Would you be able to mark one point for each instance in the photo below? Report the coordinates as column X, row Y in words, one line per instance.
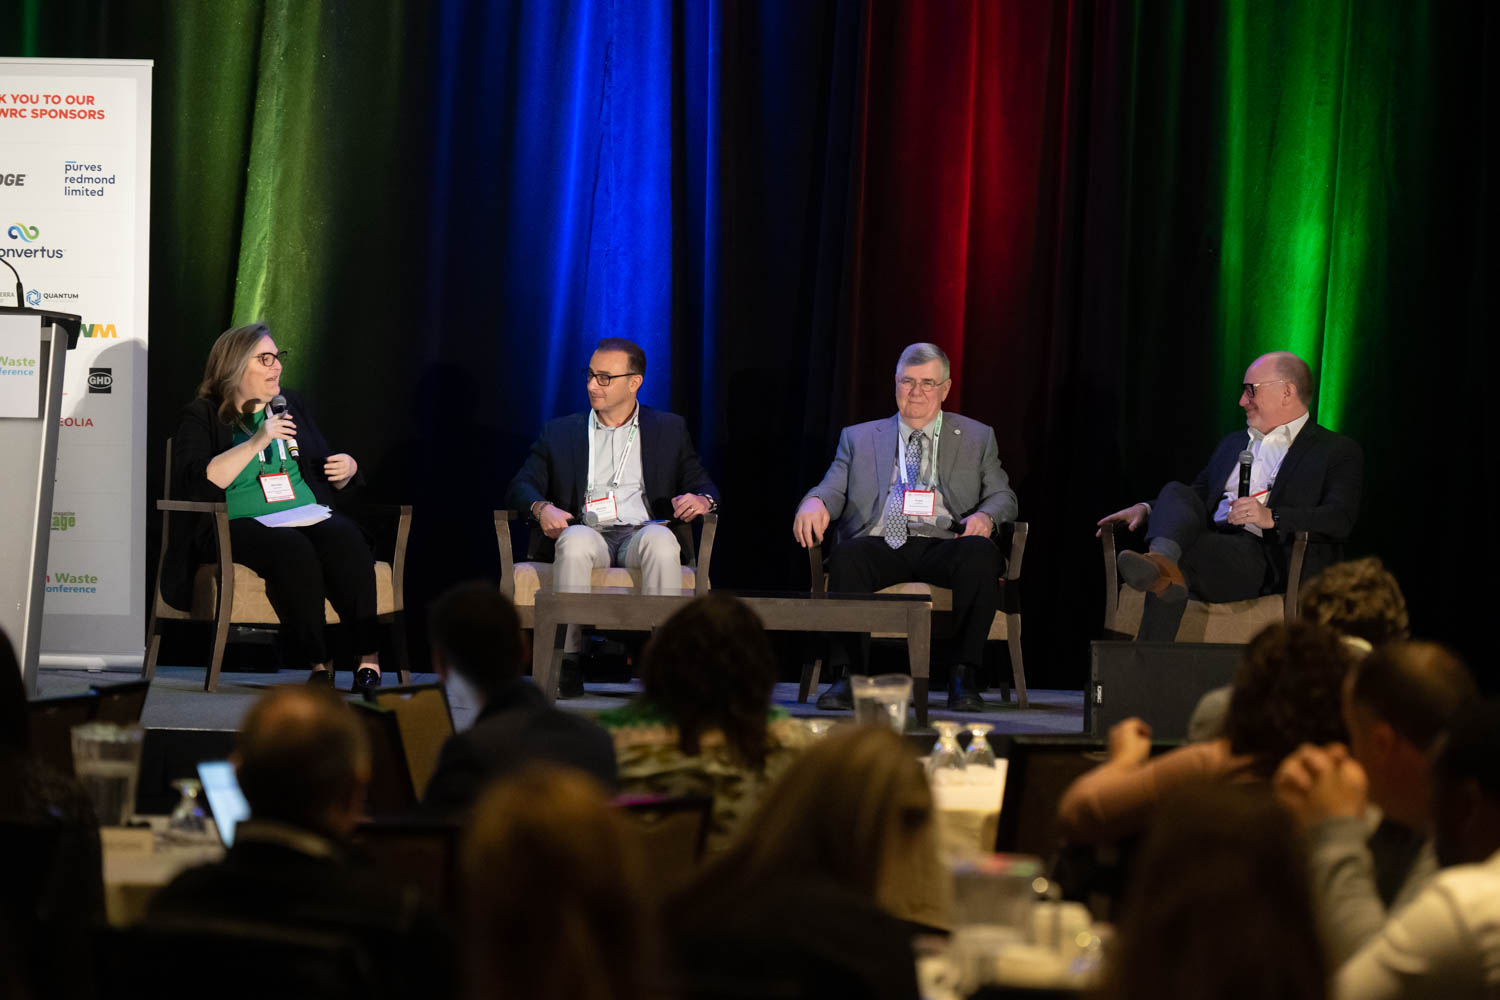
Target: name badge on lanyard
column 277, row 486
column 919, row 503
column 603, row 507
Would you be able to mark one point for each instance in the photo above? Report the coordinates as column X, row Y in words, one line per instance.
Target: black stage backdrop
column 1101, row 210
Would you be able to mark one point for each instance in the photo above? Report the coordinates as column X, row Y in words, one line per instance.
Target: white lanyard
column 635, row 423
column 937, row 435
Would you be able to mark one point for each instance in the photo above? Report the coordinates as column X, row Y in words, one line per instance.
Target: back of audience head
column 1220, row 905
column 1397, row 702
column 475, row 632
column 1287, row 691
column 15, row 714
column 845, row 809
column 1358, row 598
column 303, row 759
column 710, row 666
column 1466, row 792
column 554, row 885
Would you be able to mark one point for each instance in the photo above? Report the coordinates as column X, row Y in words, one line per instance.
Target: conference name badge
column 277, row 487
column 602, row 508
column 919, row 503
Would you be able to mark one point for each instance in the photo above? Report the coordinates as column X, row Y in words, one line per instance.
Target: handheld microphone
column 278, row 407
column 20, row 292
column 1247, row 458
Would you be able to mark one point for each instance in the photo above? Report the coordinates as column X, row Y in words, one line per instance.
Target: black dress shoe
column 839, row 697
column 320, row 678
column 366, row 680
column 570, row 678
column 963, row 694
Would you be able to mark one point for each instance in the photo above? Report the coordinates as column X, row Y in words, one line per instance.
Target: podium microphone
column 278, row 407
column 1247, row 458
column 20, row 292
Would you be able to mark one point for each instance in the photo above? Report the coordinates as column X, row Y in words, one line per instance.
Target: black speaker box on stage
column 1160, row 682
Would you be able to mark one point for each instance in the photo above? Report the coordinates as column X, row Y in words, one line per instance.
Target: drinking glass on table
column 946, row 762
column 188, row 822
column 980, row 753
column 107, row 760
column 881, row 700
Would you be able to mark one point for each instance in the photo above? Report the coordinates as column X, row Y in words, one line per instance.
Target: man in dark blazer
column 1206, row 541
column 303, row 762
column 900, row 518
column 476, row 644
column 615, row 485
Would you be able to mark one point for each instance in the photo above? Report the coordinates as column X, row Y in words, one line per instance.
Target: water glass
column 881, row 700
column 946, row 762
column 188, row 821
column 980, row 753
column 107, row 760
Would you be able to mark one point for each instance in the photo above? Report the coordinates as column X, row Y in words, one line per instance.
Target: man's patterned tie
column 895, row 519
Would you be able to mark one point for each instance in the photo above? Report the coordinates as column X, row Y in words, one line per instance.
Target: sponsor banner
column 75, row 139
column 20, row 367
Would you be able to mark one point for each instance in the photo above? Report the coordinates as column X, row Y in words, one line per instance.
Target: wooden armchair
column 1006, row 624
column 1232, row 621
column 519, row 582
column 227, row 593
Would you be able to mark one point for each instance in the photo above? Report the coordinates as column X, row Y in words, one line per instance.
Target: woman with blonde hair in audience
column 1219, row 906
column 792, row 908
column 1286, row 692
column 554, row 891
column 703, row 724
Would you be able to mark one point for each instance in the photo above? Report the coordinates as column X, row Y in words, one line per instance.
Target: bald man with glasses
column 615, row 485
column 1206, row 541
column 916, row 496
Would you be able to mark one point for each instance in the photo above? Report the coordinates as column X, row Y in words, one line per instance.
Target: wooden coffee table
column 624, row 608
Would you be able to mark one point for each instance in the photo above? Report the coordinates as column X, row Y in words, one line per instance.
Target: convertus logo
column 23, row 233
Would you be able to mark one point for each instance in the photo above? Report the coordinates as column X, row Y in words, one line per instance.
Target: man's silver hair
column 920, row 354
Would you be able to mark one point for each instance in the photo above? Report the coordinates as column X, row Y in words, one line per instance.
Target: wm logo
column 100, row 330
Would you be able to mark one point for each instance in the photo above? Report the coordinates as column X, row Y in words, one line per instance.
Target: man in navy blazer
column 1206, row 541
column 615, row 485
column 916, row 497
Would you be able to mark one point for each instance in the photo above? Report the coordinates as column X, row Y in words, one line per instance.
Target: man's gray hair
column 1295, row 371
column 920, row 354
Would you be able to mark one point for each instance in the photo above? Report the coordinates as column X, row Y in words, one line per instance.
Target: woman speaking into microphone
column 253, row 445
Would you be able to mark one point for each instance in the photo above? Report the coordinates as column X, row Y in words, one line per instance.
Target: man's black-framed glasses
column 923, row 384
column 269, row 358
column 1249, row 387
column 603, row 378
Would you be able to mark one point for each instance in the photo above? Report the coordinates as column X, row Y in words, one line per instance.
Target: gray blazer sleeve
column 834, row 489
column 996, row 498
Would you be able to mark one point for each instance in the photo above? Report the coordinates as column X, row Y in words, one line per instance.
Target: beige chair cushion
column 1234, row 621
column 531, row 577
column 942, row 600
column 252, row 607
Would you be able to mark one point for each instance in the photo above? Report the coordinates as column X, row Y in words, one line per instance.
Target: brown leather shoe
column 1153, row 573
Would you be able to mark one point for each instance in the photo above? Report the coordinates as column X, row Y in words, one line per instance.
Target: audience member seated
column 703, row 724
column 47, row 901
column 303, row 763
column 476, row 649
column 1397, row 703
column 554, row 888
column 1358, row 599
column 792, row 908
column 1285, row 693
column 1218, row 906
column 1446, row 942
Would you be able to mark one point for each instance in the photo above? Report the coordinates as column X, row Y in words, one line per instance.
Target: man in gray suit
column 915, row 497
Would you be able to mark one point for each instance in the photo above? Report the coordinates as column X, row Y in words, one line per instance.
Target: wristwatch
column 535, row 509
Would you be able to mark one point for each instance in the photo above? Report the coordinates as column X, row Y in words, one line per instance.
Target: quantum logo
column 20, row 231
column 101, row 379
column 62, row 520
column 102, row 330
column 33, row 298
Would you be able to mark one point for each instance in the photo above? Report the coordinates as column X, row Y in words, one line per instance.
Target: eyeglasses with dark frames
column 925, row 384
column 603, row 378
column 1250, row 387
column 269, row 358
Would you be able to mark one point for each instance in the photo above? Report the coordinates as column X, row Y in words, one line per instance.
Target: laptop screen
column 225, row 799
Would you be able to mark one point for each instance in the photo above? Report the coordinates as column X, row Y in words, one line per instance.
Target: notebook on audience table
column 225, row 800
